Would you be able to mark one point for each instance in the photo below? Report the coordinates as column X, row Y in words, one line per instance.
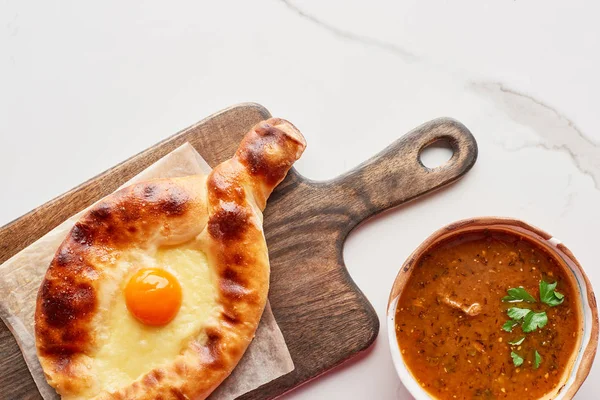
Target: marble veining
column 344, row 34
column 556, row 131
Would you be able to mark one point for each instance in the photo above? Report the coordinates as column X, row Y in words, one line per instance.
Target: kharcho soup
column 490, row 315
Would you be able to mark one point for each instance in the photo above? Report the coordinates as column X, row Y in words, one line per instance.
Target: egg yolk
column 153, row 296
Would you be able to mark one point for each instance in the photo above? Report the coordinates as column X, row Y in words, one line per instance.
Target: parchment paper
column 266, row 359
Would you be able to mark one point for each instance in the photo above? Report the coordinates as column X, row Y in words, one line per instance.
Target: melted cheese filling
column 129, row 348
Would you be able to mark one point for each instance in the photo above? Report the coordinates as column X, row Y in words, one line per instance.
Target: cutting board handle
column 397, row 175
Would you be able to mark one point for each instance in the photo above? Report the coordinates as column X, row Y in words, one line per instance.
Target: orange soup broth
column 457, row 356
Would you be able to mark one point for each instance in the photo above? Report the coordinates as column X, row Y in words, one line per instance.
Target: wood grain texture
column 324, row 317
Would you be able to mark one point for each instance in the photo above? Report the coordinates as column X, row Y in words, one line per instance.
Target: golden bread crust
column 223, row 212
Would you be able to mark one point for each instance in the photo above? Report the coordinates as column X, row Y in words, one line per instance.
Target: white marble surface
column 84, row 86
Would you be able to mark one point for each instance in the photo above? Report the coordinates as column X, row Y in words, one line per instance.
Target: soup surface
column 471, row 323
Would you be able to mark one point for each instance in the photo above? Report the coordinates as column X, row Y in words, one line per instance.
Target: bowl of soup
column 492, row 308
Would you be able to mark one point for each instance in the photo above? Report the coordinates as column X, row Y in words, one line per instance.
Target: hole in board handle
column 436, row 154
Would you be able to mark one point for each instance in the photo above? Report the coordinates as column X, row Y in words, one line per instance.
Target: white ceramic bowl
column 578, row 370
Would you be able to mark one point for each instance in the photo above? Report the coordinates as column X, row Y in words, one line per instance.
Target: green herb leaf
column 537, row 361
column 516, row 295
column 549, row 296
column 517, row 313
column 509, row 325
column 517, row 342
column 534, row 321
column 517, row 359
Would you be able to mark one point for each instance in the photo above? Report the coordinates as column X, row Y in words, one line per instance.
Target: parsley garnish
column 517, row 313
column 534, row 321
column 549, row 296
column 531, row 320
column 509, row 325
column 517, row 342
column 537, row 360
column 516, row 295
column 517, row 359
column 528, row 319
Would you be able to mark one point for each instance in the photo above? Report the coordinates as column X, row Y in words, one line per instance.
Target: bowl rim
column 589, row 340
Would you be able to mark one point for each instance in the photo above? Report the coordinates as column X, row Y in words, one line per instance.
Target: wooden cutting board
column 323, row 315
